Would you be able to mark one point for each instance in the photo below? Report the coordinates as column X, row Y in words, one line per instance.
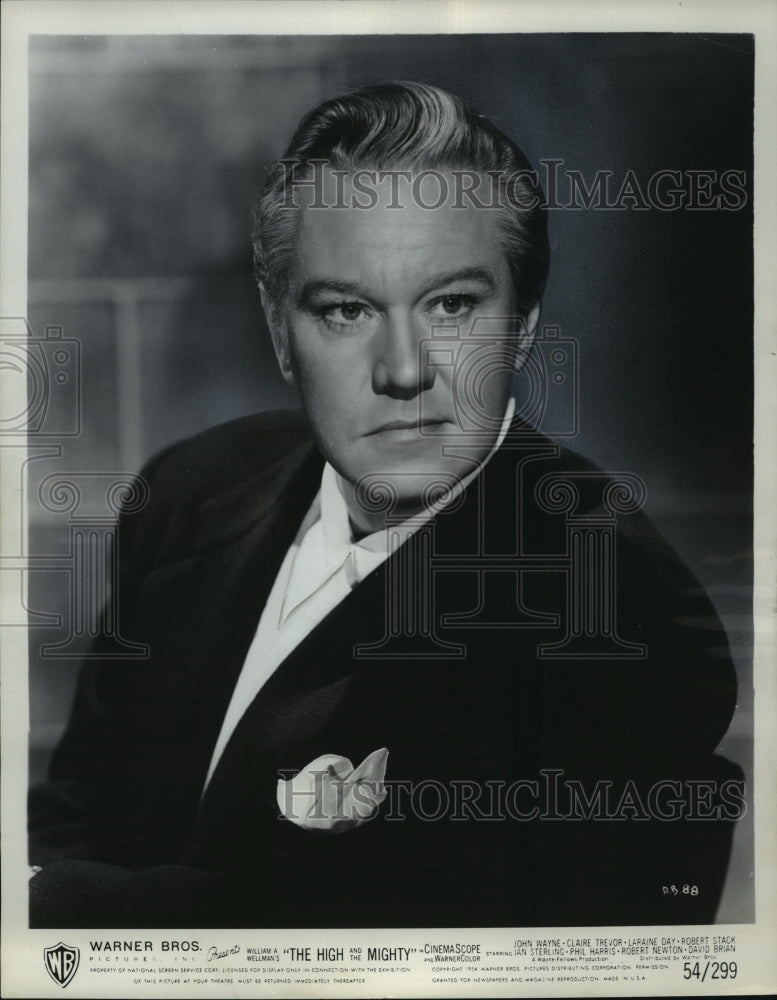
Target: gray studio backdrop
column 146, row 154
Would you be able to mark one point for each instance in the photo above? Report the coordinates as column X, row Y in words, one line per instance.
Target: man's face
column 368, row 289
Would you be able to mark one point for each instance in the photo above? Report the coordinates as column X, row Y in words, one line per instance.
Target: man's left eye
column 451, row 306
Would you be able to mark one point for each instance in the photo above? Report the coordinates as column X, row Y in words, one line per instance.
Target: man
column 529, row 684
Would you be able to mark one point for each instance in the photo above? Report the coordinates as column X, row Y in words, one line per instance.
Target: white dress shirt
column 321, row 567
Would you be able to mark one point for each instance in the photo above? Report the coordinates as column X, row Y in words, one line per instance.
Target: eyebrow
column 482, row 274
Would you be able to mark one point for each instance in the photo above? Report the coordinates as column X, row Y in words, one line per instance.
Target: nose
column 400, row 370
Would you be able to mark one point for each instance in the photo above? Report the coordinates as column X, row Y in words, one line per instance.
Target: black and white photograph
column 381, row 508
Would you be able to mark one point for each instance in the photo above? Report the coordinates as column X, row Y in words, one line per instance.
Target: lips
column 427, row 425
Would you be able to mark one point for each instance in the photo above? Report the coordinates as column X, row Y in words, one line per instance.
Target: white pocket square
column 330, row 794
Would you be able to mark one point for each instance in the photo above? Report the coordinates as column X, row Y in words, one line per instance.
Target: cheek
column 330, row 387
column 310, row 364
column 330, row 370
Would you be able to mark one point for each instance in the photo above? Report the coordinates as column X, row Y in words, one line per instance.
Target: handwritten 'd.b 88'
column 681, row 890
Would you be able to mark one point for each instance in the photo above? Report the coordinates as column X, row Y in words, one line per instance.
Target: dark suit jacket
column 126, row 841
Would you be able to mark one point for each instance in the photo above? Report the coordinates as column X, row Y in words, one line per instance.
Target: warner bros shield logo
column 61, row 962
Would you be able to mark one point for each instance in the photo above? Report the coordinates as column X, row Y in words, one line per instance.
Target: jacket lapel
column 205, row 608
column 323, row 694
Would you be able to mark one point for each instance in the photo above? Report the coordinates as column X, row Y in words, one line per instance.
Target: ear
column 279, row 337
column 526, row 336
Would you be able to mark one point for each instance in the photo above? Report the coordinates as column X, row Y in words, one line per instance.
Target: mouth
column 416, row 426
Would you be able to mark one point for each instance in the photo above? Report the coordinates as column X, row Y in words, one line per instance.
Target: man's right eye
column 342, row 314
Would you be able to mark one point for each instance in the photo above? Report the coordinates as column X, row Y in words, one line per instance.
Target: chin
column 408, row 488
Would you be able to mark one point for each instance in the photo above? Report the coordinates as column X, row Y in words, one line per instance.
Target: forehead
column 397, row 243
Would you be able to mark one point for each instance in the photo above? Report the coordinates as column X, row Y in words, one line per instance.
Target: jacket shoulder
column 228, row 466
column 229, row 452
